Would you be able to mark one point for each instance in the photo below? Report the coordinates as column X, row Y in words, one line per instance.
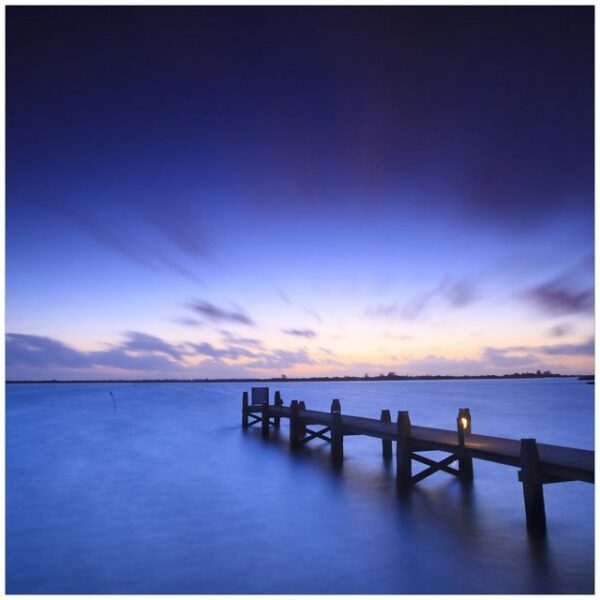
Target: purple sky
column 252, row 191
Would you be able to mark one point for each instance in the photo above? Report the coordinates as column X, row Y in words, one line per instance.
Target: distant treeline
column 389, row 377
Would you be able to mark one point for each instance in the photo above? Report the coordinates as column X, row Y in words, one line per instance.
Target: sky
column 205, row 192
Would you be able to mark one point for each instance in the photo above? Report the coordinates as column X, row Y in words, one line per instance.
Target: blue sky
column 251, row 191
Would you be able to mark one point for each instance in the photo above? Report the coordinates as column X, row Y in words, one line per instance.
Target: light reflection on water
column 171, row 496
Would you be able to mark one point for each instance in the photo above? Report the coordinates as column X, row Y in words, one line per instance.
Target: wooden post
column 403, row 458
column 337, row 434
column 294, row 424
column 265, row 418
column 278, row 404
column 386, row 445
column 302, row 424
column 245, row 410
column 533, row 490
column 465, row 462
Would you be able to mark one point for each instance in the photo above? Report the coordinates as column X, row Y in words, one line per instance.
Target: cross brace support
column 316, row 434
column 437, row 466
column 442, row 465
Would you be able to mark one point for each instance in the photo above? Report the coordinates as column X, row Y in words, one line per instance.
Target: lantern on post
column 465, row 462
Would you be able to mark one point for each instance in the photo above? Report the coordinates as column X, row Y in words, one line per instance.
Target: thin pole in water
column 114, row 402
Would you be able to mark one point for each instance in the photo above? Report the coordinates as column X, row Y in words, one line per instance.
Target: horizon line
column 527, row 375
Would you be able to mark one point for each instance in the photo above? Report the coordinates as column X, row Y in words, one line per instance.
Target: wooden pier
column 538, row 464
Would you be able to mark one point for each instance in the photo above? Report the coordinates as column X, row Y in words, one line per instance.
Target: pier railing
column 539, row 464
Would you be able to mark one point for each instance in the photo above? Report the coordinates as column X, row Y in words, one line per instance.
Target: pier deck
column 573, row 464
column 539, row 464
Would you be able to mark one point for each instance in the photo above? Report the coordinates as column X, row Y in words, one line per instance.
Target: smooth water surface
column 169, row 495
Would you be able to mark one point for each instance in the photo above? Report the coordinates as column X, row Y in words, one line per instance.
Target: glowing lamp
column 463, row 423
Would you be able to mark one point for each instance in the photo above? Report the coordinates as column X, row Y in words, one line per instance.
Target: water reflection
column 446, row 509
column 172, row 496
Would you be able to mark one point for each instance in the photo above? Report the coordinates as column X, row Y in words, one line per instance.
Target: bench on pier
column 260, row 399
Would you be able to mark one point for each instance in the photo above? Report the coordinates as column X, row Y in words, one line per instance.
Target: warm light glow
column 464, row 422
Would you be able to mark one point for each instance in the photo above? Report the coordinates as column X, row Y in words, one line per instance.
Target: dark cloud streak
column 143, row 352
column 557, row 297
column 231, row 352
column 142, row 342
column 523, row 356
column 37, row 351
column 216, row 314
column 305, row 333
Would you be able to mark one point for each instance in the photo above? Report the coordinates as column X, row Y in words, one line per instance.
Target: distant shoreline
column 312, row 379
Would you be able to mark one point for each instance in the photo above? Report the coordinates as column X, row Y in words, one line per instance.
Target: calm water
column 170, row 496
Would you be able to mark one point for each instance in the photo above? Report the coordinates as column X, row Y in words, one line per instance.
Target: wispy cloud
column 313, row 313
column 217, row 314
column 391, row 311
column 188, row 322
column 281, row 359
column 142, row 354
column 42, row 352
column 451, row 293
column 439, row 365
column 240, row 341
column 39, row 351
column 127, row 245
column 230, row 352
column 523, row 356
column 558, row 297
column 458, row 293
column 584, row 349
column 178, row 220
column 509, row 357
column 561, row 330
column 146, row 355
column 105, row 236
column 142, row 342
column 305, row 333
column 283, row 296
